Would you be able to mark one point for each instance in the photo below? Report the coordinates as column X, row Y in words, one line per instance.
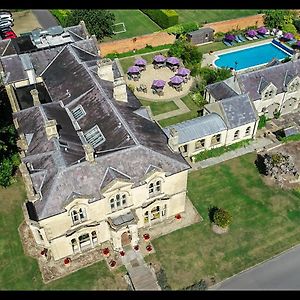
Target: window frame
column 120, row 198
column 90, row 137
column 82, row 112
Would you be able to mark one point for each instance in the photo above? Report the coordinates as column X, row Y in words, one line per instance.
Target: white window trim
column 115, row 200
column 81, row 109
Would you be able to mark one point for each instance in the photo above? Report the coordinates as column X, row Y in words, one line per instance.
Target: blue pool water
column 250, row 57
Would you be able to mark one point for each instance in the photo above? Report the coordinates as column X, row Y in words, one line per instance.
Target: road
column 45, row 18
column 279, row 273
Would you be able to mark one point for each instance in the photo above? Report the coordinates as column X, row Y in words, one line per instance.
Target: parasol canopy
column 133, row 69
column 183, row 72
column 173, row 60
column 176, row 79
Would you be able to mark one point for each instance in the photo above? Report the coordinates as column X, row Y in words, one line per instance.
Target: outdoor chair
column 241, row 38
column 227, row 43
column 237, row 39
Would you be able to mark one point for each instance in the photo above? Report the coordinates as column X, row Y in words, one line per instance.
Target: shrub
column 198, row 286
column 262, row 122
column 163, row 17
column 222, row 218
column 61, row 15
column 162, row 279
column 297, row 24
column 289, row 28
column 183, row 28
column 6, row 172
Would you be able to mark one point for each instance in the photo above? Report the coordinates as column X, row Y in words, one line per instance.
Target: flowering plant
column 122, row 253
column 149, row 248
column 105, row 251
column 67, row 260
column 178, row 217
column 136, row 247
column 146, row 236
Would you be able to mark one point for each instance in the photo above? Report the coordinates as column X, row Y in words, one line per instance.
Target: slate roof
column 57, row 166
column 201, row 31
column 238, row 111
column 220, row 90
column 197, row 128
column 249, row 82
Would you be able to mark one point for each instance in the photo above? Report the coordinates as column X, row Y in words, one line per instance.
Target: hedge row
column 163, row 17
column 61, row 16
column 183, row 28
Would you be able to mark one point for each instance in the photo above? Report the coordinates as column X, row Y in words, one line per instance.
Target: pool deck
column 208, row 59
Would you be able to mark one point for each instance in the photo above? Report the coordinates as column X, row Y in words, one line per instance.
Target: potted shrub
column 122, row 253
column 105, row 251
column 146, row 236
column 67, row 261
column 178, row 217
column 112, row 263
column 149, row 248
column 136, row 247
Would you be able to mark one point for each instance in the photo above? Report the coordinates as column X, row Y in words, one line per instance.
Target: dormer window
column 78, row 112
column 269, row 94
column 78, row 216
column 294, row 86
column 154, row 188
column 118, row 201
column 94, row 136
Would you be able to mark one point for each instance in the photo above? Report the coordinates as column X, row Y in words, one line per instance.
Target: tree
column 276, row 18
column 289, row 28
column 98, row 21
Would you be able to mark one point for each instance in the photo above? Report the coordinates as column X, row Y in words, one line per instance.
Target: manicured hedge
column 183, row 28
column 163, row 17
column 61, row 16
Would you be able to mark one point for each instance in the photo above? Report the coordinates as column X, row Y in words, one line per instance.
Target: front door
column 125, row 238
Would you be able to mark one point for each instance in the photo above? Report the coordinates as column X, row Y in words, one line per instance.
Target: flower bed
column 146, row 236
column 105, row 252
column 149, row 248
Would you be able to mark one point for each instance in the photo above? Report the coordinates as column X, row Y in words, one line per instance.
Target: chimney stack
column 173, row 139
column 105, row 71
column 35, row 96
column 89, row 152
column 120, row 92
column 51, row 129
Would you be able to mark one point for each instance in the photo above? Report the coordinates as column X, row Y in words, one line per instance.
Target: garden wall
column 240, row 23
column 139, row 42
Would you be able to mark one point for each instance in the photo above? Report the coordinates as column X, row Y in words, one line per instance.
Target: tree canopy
column 277, row 18
column 98, row 21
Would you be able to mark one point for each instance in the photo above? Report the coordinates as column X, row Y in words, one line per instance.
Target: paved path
column 142, row 277
column 279, row 273
column 182, row 109
column 257, row 144
column 45, row 18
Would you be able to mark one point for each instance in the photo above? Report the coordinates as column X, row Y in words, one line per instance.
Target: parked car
column 8, row 34
column 5, row 13
column 6, row 18
column 4, row 24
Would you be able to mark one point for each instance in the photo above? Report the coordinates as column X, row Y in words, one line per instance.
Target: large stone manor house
column 95, row 166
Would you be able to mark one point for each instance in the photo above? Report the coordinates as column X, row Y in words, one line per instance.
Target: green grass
column 136, row 23
column 221, row 150
column 193, row 113
column 265, row 223
column 20, row 272
column 159, row 107
column 212, row 15
column 291, row 138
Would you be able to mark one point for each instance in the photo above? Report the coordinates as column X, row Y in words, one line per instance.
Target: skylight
column 78, row 112
column 94, row 136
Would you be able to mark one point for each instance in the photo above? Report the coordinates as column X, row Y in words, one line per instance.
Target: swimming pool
column 250, row 57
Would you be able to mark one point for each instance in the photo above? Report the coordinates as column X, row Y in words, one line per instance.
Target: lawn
column 159, row 107
column 265, row 223
column 193, row 113
column 20, row 272
column 136, row 23
column 212, row 15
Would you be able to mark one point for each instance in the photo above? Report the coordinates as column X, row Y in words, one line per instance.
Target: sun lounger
column 237, row 39
column 255, row 38
column 291, row 42
column 260, row 36
column 248, row 38
column 241, row 38
column 227, row 43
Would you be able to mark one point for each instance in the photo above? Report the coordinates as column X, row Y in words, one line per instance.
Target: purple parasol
column 159, row 58
column 230, row 37
column 133, row 69
column 140, row 62
column 158, row 83
column 251, row 33
column 288, row 36
column 173, row 60
column 176, row 80
column 298, row 43
column 183, row 72
column 262, row 30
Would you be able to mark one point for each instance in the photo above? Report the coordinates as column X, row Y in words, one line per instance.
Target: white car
column 6, row 18
column 4, row 24
column 5, row 13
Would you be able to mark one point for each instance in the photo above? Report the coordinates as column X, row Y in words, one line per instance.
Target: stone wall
column 139, row 42
column 240, row 23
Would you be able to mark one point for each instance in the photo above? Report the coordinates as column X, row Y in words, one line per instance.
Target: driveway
column 280, row 273
column 45, row 18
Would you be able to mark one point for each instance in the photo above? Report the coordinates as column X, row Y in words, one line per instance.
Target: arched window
column 155, row 212
column 118, row 201
column 94, row 237
column 236, row 135
column 158, row 186
column 248, row 129
column 78, row 216
column 146, row 217
column 151, row 188
column 155, row 188
column 74, row 245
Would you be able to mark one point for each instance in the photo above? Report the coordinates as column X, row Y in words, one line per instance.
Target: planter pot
column 122, row 253
column 105, row 252
column 136, row 247
column 219, row 230
column 178, row 217
column 146, row 237
column 67, row 262
column 149, row 248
